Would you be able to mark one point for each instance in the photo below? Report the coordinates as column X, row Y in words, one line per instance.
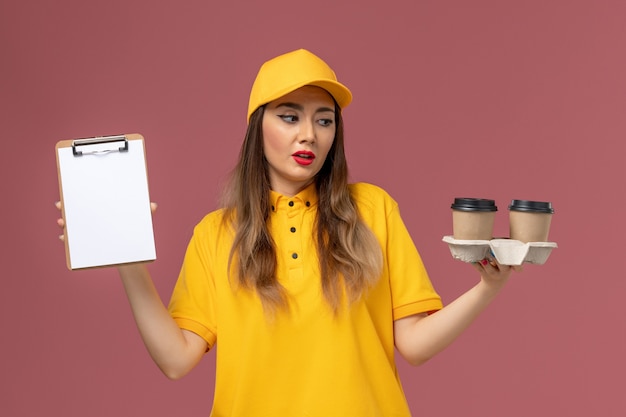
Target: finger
column 486, row 262
column 61, row 223
column 153, row 206
column 58, row 205
column 488, row 265
column 518, row 268
column 492, row 259
column 480, row 265
column 62, row 238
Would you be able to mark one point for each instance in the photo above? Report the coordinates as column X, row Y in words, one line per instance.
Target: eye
column 326, row 122
column 289, row 118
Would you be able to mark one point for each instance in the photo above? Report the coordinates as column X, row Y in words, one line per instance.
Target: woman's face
column 298, row 131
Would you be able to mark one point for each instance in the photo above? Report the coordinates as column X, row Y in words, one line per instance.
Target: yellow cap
column 290, row 71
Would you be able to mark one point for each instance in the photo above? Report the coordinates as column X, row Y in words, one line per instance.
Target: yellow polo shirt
column 305, row 362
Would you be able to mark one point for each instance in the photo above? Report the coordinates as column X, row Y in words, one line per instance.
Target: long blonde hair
column 349, row 254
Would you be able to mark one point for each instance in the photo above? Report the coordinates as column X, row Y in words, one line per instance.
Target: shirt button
column 291, row 204
column 294, row 255
column 293, row 230
column 308, row 204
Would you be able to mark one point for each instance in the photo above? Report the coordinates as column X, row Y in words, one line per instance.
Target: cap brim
column 338, row 91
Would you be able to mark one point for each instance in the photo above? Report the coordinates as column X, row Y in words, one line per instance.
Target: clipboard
column 103, row 182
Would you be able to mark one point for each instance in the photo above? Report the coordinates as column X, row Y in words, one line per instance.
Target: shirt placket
column 295, row 256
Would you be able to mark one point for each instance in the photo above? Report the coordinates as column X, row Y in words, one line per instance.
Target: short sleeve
column 411, row 289
column 408, row 282
column 192, row 304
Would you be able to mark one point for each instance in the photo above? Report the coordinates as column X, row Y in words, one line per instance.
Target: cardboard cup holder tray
column 506, row 251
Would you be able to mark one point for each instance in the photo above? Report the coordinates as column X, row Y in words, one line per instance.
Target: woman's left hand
column 494, row 274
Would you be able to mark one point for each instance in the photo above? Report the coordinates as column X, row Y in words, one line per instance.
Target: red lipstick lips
column 304, row 157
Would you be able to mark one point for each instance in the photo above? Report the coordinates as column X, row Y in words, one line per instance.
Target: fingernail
column 484, row 262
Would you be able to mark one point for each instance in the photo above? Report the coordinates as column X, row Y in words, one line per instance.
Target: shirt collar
column 306, row 198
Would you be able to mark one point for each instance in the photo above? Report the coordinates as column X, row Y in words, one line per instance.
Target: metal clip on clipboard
column 100, row 145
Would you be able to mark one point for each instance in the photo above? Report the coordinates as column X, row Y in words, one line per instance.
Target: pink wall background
column 489, row 98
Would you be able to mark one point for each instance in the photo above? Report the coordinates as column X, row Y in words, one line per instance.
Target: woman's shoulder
column 367, row 190
column 370, row 195
column 211, row 221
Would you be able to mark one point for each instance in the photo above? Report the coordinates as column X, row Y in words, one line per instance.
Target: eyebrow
column 299, row 107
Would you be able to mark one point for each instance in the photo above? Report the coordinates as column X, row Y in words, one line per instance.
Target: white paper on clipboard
column 105, row 200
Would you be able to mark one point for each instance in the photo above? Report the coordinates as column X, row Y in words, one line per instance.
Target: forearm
column 168, row 345
column 419, row 339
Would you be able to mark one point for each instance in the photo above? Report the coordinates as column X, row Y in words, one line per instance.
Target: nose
column 307, row 131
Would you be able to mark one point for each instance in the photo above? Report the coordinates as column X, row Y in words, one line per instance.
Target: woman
column 305, row 282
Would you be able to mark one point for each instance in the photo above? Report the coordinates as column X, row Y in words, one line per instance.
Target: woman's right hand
column 60, row 221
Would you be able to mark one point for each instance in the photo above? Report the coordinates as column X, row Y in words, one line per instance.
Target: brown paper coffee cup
column 473, row 218
column 529, row 221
